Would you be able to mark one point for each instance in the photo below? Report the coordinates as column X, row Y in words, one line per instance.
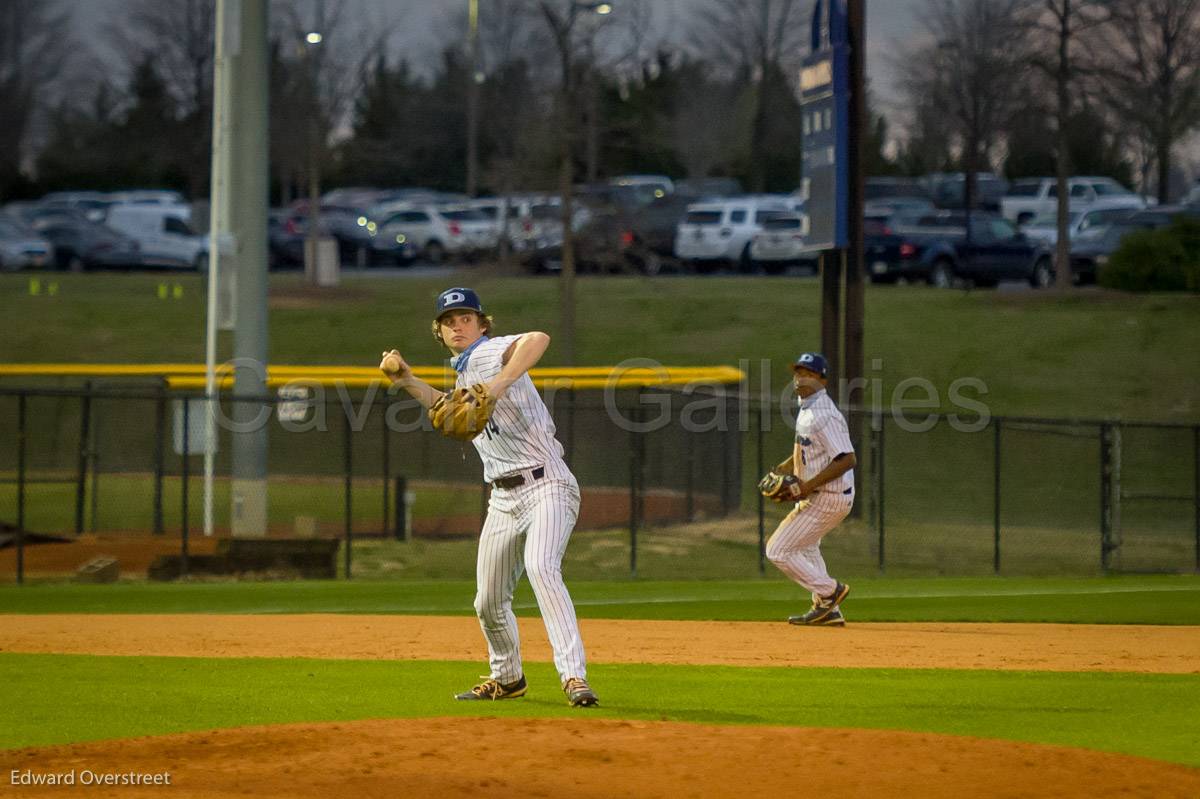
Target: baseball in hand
column 391, row 363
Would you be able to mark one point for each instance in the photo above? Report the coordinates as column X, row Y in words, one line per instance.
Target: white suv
column 436, row 231
column 1035, row 197
column 163, row 232
column 722, row 230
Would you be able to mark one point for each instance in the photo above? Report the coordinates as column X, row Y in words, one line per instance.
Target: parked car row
column 88, row 230
column 724, row 230
column 1038, row 197
column 935, row 248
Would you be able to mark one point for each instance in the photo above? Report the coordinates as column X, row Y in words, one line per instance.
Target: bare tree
column 325, row 53
column 574, row 27
column 1059, row 23
column 1147, row 70
column 971, row 69
column 34, row 49
column 178, row 35
column 701, row 127
column 755, row 41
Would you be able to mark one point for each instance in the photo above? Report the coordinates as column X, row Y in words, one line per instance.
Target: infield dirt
column 583, row 758
column 1054, row 647
column 457, row 757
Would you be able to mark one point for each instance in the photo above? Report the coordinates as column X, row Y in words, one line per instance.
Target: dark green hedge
column 1166, row 259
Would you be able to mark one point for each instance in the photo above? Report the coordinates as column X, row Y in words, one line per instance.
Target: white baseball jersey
column 795, row 546
column 822, row 434
column 528, row 526
column 520, row 434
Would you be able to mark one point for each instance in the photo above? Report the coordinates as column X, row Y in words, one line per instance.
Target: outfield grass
column 1039, row 353
column 1151, row 715
column 1113, row 600
column 125, row 502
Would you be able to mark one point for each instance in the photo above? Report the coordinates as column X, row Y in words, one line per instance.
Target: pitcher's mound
column 463, row 757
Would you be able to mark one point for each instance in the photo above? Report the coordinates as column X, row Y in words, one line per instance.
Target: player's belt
column 517, row 480
column 847, row 492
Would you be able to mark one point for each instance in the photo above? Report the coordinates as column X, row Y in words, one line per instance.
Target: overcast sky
column 419, row 39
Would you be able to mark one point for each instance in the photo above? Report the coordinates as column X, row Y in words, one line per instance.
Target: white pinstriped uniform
column 795, row 546
column 527, row 527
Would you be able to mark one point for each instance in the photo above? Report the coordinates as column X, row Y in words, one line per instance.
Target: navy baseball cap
column 813, row 362
column 455, row 298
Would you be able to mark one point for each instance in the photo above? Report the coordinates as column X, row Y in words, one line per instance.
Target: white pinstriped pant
column 527, row 529
column 795, row 546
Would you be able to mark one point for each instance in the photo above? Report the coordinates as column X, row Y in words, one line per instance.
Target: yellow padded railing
column 190, row 376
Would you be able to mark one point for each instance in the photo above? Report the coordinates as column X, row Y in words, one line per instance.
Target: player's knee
column 487, row 608
column 543, row 574
column 776, row 551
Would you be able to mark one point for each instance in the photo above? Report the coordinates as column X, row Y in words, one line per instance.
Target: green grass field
column 1167, row 599
column 125, row 502
column 1148, row 715
column 113, row 697
column 1039, row 353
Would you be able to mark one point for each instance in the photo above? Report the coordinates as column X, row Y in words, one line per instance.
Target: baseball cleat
column 820, row 617
column 826, row 612
column 579, row 693
column 840, row 592
column 494, row 689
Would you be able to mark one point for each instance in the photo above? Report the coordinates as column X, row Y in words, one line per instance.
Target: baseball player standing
column 819, row 477
column 534, row 497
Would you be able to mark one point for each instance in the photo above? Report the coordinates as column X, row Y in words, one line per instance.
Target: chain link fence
column 668, row 481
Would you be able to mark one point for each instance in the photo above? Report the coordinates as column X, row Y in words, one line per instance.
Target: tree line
column 1107, row 87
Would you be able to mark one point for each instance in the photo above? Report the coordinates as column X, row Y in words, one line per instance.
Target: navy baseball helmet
column 814, row 362
column 455, row 298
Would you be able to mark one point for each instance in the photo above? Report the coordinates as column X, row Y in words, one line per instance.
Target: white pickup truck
column 1034, row 197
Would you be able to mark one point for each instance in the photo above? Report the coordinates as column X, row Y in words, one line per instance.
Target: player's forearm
column 528, row 351
column 786, row 467
column 836, row 468
column 418, row 389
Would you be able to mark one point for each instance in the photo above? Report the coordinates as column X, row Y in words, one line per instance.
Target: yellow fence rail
column 190, row 376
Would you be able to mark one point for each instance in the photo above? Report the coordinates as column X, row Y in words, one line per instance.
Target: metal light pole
column 248, row 105
column 227, row 45
column 313, row 234
column 474, row 78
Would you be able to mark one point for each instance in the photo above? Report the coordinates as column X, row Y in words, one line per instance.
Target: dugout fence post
column 1106, row 505
column 1196, row 487
column 183, row 531
column 385, row 483
column 402, row 531
column 347, row 437
column 689, row 492
column 483, row 503
column 877, row 488
column 996, row 462
column 635, row 469
column 160, row 425
column 21, row 444
column 570, row 436
column 85, row 421
column 731, row 488
column 94, row 467
column 761, row 469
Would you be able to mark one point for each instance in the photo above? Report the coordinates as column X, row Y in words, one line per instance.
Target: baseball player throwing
column 819, row 478
column 534, row 497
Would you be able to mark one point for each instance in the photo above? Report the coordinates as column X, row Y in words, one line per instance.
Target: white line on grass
column 679, row 600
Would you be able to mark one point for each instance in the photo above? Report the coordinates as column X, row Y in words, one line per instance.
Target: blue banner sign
column 825, row 104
